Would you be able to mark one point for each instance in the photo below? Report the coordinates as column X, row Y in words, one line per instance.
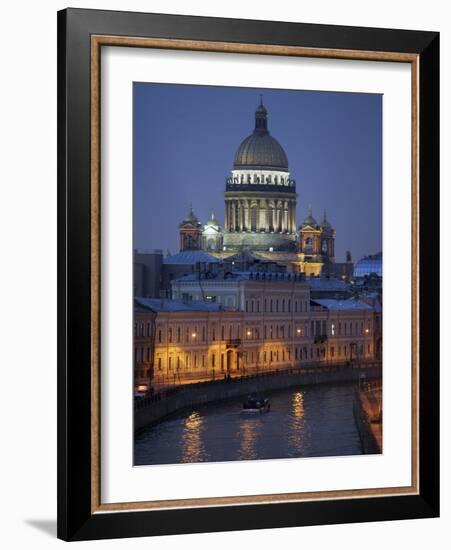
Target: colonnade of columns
column 260, row 215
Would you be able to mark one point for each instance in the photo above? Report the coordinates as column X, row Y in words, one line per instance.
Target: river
column 310, row 421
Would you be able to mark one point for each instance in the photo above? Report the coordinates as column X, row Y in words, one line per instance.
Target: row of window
column 187, row 361
column 349, row 328
column 270, row 331
column 318, row 327
column 271, row 305
column 143, row 329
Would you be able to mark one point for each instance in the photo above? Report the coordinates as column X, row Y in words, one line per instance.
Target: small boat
column 253, row 404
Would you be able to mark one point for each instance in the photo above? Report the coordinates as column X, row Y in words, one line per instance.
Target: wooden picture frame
column 81, row 35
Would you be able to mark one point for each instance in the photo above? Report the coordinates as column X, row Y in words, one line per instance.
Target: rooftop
column 190, row 257
column 343, row 305
column 243, row 276
column 327, row 284
column 164, row 304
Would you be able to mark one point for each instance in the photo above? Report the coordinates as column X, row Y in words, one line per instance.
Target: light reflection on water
column 193, row 449
column 297, row 433
column 247, row 436
column 312, row 421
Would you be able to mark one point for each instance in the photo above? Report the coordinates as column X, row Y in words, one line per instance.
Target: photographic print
column 257, row 273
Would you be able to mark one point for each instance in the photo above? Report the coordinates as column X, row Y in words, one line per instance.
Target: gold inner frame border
column 97, row 41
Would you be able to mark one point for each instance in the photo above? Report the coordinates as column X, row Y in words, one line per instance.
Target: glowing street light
column 193, row 335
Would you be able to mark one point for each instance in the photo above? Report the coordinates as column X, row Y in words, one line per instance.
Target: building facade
column 278, row 327
column 144, row 347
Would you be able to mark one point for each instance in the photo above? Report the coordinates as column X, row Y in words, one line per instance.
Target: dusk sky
column 185, row 138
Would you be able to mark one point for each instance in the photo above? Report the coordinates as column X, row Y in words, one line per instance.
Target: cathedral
column 260, row 213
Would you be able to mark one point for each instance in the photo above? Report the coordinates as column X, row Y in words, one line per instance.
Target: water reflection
column 297, row 433
column 192, row 446
column 298, row 404
column 306, row 422
column 247, row 436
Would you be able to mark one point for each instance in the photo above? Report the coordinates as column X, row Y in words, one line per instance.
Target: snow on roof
column 344, row 305
column 190, row 257
column 164, row 304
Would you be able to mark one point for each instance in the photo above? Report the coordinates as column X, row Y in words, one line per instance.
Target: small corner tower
column 310, row 237
column 212, row 235
column 190, row 232
column 327, row 240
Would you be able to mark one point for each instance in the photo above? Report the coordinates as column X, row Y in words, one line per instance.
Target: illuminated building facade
column 277, row 329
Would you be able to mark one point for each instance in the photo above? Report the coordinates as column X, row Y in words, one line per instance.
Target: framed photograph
column 248, row 274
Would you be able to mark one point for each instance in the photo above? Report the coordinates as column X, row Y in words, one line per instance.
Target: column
column 262, row 216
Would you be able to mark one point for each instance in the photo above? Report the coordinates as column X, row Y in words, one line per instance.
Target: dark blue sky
column 185, row 138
